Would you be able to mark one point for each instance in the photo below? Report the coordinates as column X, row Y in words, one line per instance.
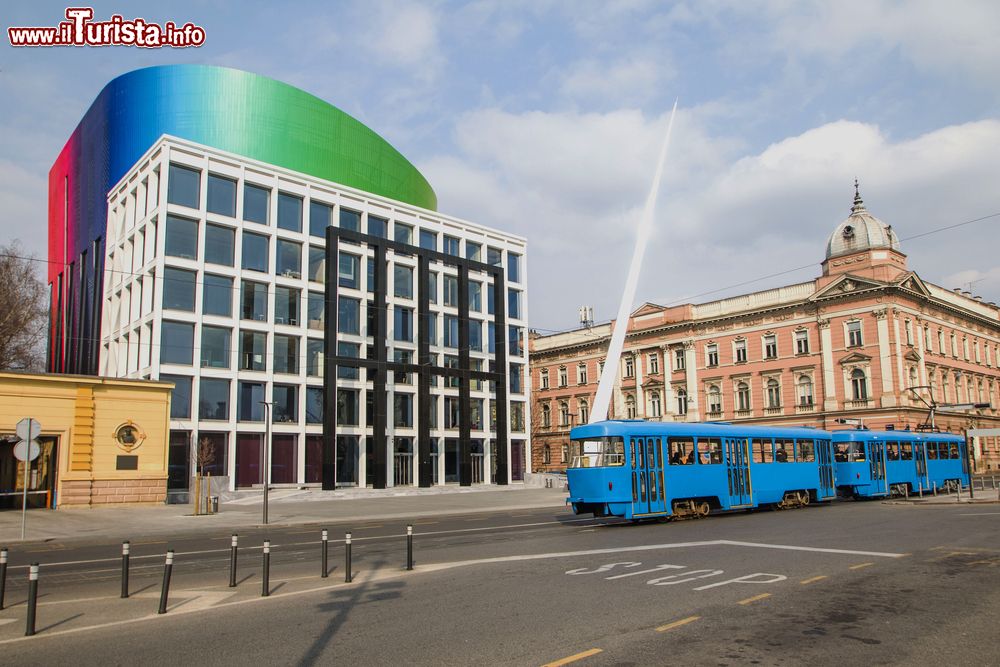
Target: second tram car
column 637, row 469
column 876, row 464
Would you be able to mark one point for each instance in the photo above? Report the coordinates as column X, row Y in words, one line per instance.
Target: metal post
column 409, row 547
column 265, row 589
column 32, row 599
column 3, row 574
column 347, row 557
column 993, row 480
column 972, row 496
column 958, row 493
column 324, row 550
column 920, row 488
column 267, row 453
column 168, row 567
column 935, row 488
column 125, row 553
column 232, row 560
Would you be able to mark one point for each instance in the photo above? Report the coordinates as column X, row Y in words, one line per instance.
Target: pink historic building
column 849, row 344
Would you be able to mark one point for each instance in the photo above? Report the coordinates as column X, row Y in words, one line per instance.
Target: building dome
column 860, row 231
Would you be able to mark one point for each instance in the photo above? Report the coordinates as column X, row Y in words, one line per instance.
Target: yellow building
column 103, row 441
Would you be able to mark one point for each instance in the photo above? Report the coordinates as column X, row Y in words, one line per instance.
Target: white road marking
column 981, row 514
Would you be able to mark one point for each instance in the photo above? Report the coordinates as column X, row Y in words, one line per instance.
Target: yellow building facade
column 103, row 441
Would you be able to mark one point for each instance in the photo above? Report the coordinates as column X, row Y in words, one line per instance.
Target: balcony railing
column 773, row 410
column 859, row 403
column 805, row 407
column 744, row 413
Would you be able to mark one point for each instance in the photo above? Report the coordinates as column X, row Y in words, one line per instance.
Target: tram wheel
column 703, row 509
column 805, row 498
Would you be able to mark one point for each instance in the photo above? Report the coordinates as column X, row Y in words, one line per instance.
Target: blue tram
column 638, row 469
column 875, row 464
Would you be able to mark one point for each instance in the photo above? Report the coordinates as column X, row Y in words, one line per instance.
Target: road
column 869, row 583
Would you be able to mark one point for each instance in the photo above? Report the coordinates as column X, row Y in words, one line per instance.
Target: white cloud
column 404, row 35
column 573, row 185
column 620, row 84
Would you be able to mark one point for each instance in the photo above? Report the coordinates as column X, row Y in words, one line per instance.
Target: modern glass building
column 205, row 263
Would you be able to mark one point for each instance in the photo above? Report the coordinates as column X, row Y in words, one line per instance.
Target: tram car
column 638, row 470
column 878, row 464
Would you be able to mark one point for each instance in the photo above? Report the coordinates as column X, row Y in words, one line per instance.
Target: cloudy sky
column 544, row 118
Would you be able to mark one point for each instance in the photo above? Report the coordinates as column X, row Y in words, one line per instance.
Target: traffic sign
column 27, row 450
column 28, row 429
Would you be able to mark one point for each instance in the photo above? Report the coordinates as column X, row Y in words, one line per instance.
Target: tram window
column 855, row 451
column 806, row 451
column 763, row 451
column 892, row 451
column 659, row 452
column 632, row 455
column 943, row 450
column 932, row 450
column 709, row 451
column 906, row 451
column 650, row 453
column 953, row 452
column 784, row 450
column 641, row 462
column 840, row 456
column 681, row 451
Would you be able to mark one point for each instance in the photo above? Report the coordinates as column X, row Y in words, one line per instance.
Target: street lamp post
column 267, row 453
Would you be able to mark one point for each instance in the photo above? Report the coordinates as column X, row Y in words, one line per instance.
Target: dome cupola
column 860, row 231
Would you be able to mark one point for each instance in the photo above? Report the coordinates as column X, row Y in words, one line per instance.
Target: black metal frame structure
column 379, row 368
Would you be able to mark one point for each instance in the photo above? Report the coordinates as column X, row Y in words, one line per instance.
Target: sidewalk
column 285, row 507
column 981, row 496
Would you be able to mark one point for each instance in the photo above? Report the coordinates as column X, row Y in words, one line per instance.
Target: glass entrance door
column 647, row 476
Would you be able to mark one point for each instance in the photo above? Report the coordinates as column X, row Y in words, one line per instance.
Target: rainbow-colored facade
column 227, row 109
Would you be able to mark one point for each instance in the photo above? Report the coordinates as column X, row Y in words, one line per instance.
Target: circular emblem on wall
column 129, row 436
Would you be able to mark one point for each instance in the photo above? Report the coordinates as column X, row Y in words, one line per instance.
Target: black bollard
column 3, row 574
column 265, row 589
column 347, row 557
column 168, row 567
column 32, row 599
column 409, row 547
column 232, row 561
column 324, row 549
column 125, row 553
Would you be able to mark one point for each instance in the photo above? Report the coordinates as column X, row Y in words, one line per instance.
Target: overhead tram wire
column 553, row 331
column 751, row 281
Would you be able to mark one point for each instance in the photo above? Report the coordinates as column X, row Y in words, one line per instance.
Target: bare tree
column 23, row 311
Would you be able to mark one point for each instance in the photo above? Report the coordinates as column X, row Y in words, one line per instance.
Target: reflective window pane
column 249, row 406
column 284, row 408
column 176, row 343
column 378, row 226
column 428, row 239
column 451, row 245
column 349, row 316
column 473, row 251
column 289, row 212
column 315, row 309
column 221, row 195
column 184, row 186
column 289, row 259
column 180, row 397
column 317, row 264
column 286, row 354
column 403, row 233
column 253, row 298
column 217, row 295
column 402, row 281
column 350, row 220
column 213, row 399
column 256, row 203
column 314, row 405
column 178, row 289
column 220, row 243
column 182, row 237
column 348, row 271
column 286, row 305
column 320, row 217
column 314, row 358
column 253, row 350
column 215, row 345
column 255, row 251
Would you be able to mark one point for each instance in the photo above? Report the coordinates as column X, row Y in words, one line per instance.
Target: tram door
column 824, row 456
column 647, row 476
column 876, row 463
column 920, row 460
column 738, row 471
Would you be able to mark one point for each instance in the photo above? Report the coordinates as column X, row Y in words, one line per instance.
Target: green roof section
column 273, row 122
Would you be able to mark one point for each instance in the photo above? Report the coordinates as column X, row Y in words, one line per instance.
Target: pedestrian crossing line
column 573, row 658
column 860, row 565
column 813, row 579
column 754, row 599
column 677, row 624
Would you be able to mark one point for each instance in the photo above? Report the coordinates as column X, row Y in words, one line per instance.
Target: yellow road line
column 859, row 566
column 573, row 658
column 754, row 598
column 812, row 579
column 677, row 624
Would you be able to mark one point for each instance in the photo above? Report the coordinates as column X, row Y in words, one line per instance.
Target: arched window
column 546, row 455
column 655, row 409
column 805, row 390
column 563, row 413
column 563, row 376
column 714, row 399
column 682, row 401
column 913, row 376
column 773, row 394
column 859, row 385
column 630, row 407
column 583, row 408
column 546, row 416
column 742, row 396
